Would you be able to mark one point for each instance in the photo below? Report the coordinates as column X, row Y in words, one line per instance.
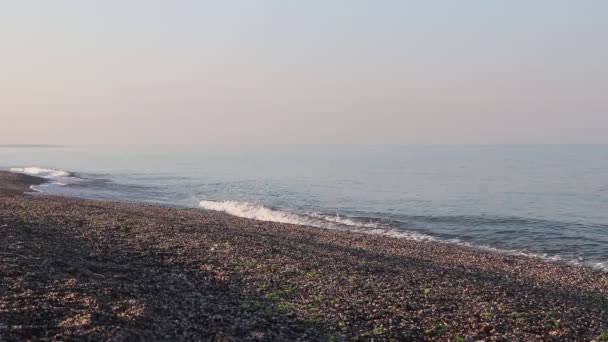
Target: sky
column 314, row 72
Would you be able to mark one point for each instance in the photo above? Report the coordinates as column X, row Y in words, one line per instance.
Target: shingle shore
column 80, row 269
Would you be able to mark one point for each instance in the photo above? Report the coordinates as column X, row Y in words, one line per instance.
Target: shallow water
column 548, row 201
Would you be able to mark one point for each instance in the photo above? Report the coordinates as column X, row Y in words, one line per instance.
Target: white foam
column 345, row 221
column 598, row 265
column 336, row 222
column 262, row 213
column 253, row 211
column 55, row 176
column 41, row 172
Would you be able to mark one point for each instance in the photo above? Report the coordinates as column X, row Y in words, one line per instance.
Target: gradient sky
column 303, row 72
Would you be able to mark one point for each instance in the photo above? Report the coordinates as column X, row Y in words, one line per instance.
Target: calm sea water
column 547, row 201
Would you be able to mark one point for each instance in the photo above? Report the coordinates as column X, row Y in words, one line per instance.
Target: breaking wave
column 41, row 172
column 374, row 226
column 54, row 176
column 360, row 225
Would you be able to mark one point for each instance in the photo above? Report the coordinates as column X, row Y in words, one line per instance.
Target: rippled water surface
column 549, row 201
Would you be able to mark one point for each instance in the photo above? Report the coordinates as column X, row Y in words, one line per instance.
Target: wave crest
column 368, row 226
column 41, row 172
column 263, row 213
column 252, row 211
column 55, row 176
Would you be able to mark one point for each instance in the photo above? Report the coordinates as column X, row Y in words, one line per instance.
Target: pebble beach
column 73, row 269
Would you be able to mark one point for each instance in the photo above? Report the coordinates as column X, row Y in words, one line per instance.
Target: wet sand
column 81, row 269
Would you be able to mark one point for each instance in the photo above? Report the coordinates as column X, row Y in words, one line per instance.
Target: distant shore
column 72, row 268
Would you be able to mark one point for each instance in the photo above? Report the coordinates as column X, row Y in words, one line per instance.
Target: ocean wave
column 263, row 213
column 41, row 172
column 565, row 259
column 375, row 227
column 54, row 176
column 253, row 211
column 347, row 221
column 337, row 222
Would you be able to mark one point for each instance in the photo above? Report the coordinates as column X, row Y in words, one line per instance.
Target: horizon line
column 301, row 145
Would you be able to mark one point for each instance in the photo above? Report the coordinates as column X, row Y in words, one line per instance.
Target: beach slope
column 80, row 269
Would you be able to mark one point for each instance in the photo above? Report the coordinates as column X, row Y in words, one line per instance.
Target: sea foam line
column 336, row 222
column 54, row 176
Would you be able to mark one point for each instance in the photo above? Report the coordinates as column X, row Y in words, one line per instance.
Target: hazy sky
column 304, row 72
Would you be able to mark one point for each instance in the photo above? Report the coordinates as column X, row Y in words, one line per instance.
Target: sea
column 544, row 201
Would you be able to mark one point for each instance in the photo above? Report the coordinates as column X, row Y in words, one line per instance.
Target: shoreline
column 18, row 182
column 75, row 268
column 317, row 222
